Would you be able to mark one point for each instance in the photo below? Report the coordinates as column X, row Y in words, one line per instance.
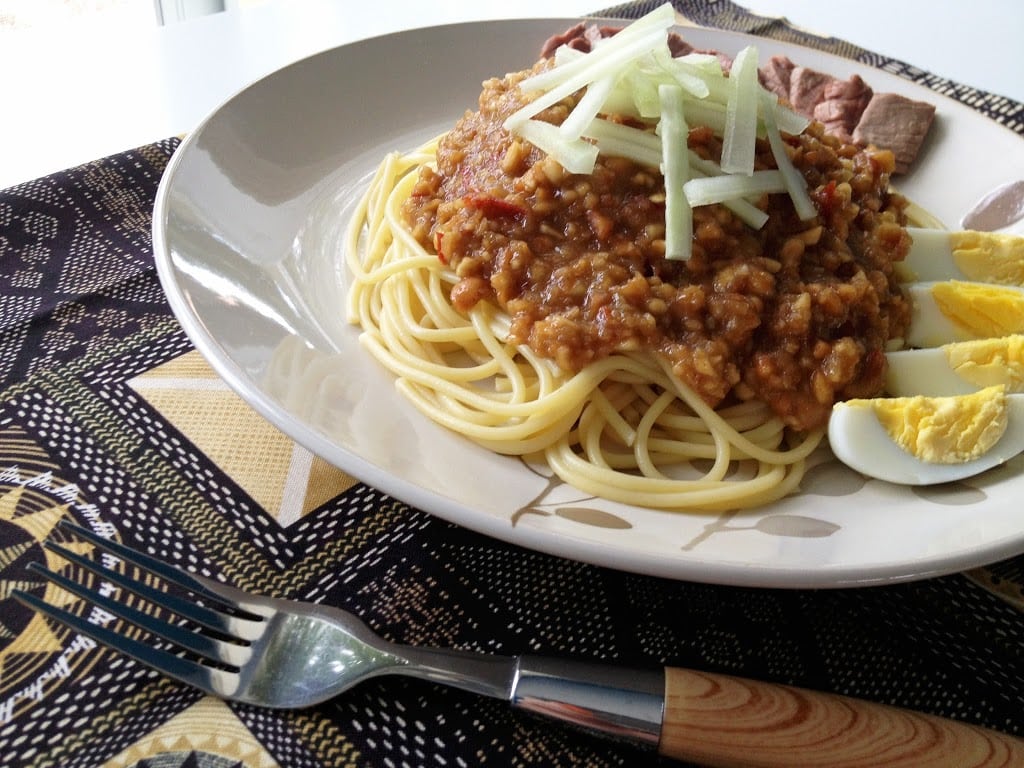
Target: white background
column 75, row 93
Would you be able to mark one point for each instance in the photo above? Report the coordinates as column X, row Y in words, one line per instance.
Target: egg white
column 924, row 372
column 929, row 327
column 859, row 440
column 930, row 257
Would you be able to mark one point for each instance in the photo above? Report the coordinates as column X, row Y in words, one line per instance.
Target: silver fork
column 287, row 654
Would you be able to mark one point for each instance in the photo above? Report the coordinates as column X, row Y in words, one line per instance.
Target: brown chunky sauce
column 797, row 314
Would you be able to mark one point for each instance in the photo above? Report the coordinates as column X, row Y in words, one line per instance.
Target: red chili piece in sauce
column 493, row 207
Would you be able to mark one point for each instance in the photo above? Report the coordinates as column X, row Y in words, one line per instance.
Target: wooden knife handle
column 717, row 720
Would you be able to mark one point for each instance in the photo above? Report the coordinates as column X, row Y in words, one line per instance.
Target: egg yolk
column 945, row 430
column 992, row 257
column 988, row 362
column 981, row 310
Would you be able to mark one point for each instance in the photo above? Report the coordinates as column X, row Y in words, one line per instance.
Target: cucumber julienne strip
column 675, row 166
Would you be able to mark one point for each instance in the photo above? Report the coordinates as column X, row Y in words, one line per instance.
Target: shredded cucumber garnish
column 575, row 155
column 717, row 189
column 741, row 114
column 617, row 140
column 795, row 184
column 675, row 166
column 632, row 75
column 688, row 75
column 592, row 102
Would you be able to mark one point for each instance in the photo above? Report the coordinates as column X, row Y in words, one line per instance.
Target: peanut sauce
column 797, row 314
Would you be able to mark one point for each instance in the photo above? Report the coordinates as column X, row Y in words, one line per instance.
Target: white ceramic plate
column 247, row 227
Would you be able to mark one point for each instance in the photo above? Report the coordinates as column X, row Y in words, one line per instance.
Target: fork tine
column 202, row 645
column 165, row 571
column 212, row 681
column 245, row 627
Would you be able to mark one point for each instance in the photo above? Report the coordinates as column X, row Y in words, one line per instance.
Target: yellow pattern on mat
column 209, row 727
column 281, row 476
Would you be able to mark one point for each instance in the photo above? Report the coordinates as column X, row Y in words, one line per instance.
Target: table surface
column 92, row 90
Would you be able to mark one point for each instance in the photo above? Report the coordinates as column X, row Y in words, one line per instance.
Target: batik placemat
column 109, row 417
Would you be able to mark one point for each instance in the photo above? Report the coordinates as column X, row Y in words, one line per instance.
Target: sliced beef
column 836, row 103
column 807, row 89
column 570, row 37
column 851, row 110
column 842, row 105
column 580, row 37
column 776, row 76
column 896, row 123
column 678, row 46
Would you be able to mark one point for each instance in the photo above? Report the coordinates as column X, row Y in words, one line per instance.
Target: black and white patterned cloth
column 94, row 427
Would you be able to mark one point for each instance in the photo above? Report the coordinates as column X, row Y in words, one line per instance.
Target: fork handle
column 718, row 720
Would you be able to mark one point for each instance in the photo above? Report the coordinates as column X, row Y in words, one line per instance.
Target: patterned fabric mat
column 109, row 417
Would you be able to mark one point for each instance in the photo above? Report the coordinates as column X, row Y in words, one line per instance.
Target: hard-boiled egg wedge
column 928, row 440
column 955, row 310
column 957, row 369
column 957, row 405
column 986, row 257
